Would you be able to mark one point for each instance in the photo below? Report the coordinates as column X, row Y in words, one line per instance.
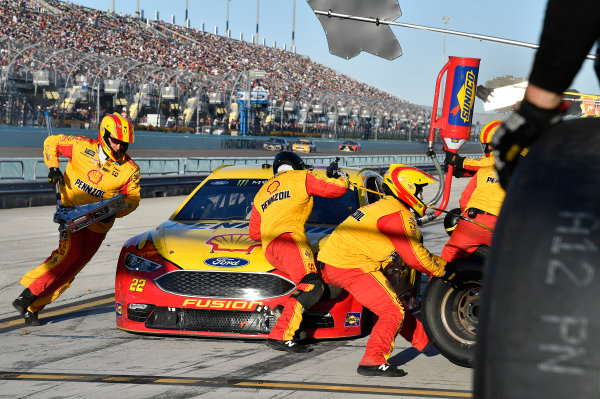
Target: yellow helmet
column 406, row 184
column 487, row 132
column 119, row 128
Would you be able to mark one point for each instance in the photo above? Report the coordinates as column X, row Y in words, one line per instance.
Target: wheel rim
column 460, row 312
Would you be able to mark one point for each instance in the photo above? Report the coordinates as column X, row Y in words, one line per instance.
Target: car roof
column 265, row 171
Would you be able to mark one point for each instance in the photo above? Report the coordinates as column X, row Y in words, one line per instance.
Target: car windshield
column 231, row 199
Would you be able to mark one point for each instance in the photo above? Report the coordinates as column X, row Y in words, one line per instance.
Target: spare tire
column 540, row 316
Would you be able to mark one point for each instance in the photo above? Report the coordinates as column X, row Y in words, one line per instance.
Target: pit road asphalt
column 79, row 352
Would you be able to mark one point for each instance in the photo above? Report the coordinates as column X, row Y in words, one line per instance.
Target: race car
column 350, row 146
column 304, row 145
column 276, row 144
column 200, row 273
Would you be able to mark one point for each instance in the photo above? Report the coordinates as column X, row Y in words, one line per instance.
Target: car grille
column 229, row 285
column 223, row 321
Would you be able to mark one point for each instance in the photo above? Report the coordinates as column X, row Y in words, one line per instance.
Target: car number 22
column 137, row 285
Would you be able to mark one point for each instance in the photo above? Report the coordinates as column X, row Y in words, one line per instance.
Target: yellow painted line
column 356, row 389
column 440, row 393
column 62, row 311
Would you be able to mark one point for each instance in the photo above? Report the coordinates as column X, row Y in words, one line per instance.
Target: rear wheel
column 451, row 316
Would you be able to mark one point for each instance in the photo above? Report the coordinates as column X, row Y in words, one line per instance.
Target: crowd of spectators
column 117, row 46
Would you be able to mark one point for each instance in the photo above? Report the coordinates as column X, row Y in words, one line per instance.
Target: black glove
column 333, row 170
column 454, row 159
column 55, row 177
column 520, row 130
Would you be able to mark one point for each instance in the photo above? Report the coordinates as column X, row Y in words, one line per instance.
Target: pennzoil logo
column 463, row 96
column 275, row 197
column 95, row 176
column 232, row 243
column 352, row 319
column 226, row 304
column 86, row 188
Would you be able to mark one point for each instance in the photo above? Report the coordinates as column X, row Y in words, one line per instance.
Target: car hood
column 217, row 245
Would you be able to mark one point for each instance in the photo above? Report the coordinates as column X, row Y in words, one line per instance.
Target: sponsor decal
column 86, row 188
column 233, row 243
column 94, row 176
column 224, row 225
column 491, row 179
column 307, row 254
column 273, row 186
column 275, row 197
column 115, row 173
column 226, row 262
column 352, row 319
column 90, row 152
column 463, row 95
column 119, row 309
column 358, row 214
column 220, row 304
column 218, row 182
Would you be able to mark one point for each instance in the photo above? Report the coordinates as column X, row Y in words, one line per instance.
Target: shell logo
column 94, row 176
column 273, row 187
column 233, row 243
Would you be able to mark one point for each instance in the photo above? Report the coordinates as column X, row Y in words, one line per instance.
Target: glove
column 55, row 177
column 333, row 170
column 520, row 130
column 454, row 159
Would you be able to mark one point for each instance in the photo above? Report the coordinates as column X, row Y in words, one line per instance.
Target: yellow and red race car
column 200, row 273
column 350, row 146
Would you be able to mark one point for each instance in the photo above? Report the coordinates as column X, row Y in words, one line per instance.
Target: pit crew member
column 367, row 242
column 481, row 201
column 467, row 167
column 280, row 210
column 97, row 170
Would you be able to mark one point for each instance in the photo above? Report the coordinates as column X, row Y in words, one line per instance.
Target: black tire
column 541, row 301
column 450, row 316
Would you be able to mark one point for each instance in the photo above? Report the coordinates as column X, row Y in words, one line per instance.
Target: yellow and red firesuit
column 87, row 179
column 281, row 208
column 481, row 201
column 356, row 253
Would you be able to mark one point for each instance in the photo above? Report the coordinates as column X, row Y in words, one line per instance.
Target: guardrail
column 33, row 169
column 23, row 182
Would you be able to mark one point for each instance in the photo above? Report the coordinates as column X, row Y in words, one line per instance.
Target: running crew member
column 367, row 242
column 281, row 208
column 481, row 201
column 467, row 167
column 97, row 170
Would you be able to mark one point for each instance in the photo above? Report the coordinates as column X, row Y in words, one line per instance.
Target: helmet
column 451, row 220
column 119, row 128
column 487, row 132
column 287, row 160
column 406, row 184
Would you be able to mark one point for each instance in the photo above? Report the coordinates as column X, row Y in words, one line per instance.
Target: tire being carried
column 540, row 318
column 450, row 311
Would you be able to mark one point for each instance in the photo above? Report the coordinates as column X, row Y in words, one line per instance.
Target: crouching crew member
column 366, row 243
column 280, row 210
column 97, row 170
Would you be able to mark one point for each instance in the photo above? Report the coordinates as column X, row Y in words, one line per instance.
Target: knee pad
column 309, row 298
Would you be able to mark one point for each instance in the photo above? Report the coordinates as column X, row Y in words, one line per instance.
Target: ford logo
column 226, row 262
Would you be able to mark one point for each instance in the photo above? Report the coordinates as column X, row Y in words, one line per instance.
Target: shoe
column 23, row 301
column 31, row 319
column 287, row 346
column 383, row 370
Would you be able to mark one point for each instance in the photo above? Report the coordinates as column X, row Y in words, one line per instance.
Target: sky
column 411, row 76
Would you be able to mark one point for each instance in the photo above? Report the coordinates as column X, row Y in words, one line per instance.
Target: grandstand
column 80, row 63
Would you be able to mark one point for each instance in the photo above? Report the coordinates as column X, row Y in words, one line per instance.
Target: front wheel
column 451, row 316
